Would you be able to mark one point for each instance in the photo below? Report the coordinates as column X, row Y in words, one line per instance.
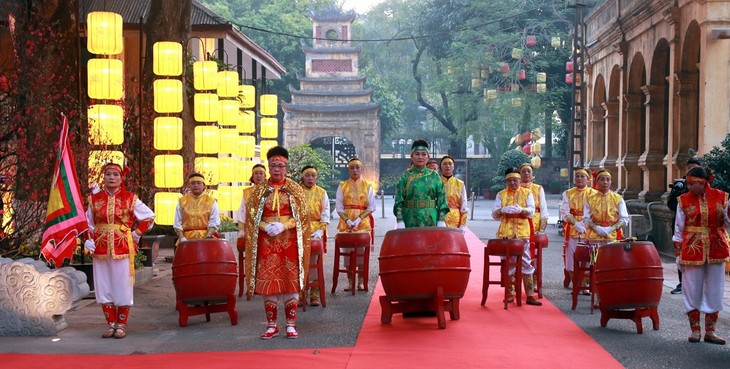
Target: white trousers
column 527, row 268
column 703, row 287
column 111, row 282
column 284, row 296
column 570, row 253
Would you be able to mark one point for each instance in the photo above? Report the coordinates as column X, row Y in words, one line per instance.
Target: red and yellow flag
column 65, row 217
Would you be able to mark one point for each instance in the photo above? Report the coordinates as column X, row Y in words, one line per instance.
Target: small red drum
column 204, row 270
column 241, row 244
column 541, row 239
column 317, row 246
column 352, row 239
column 499, row 246
column 629, row 275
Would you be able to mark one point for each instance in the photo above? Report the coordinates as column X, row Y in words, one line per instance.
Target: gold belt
column 281, row 219
column 697, row 229
column 420, row 204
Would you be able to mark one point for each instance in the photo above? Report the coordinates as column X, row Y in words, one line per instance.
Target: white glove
column 511, row 209
column 440, row 223
column 350, row 223
column 463, row 229
column 317, row 234
column 95, row 188
column 182, row 239
column 400, row 225
column 135, row 236
column 90, row 246
column 580, row 227
column 602, row 231
column 269, row 228
column 276, row 228
column 241, row 233
column 356, row 222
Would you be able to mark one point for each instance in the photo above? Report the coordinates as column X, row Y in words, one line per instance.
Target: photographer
column 679, row 187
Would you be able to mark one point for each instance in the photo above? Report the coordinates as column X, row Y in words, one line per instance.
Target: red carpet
column 521, row 337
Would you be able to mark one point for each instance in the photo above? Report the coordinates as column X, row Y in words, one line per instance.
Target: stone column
column 596, row 135
column 610, row 160
column 630, row 159
column 651, row 160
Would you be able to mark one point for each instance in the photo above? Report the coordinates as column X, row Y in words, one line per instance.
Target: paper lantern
column 165, row 205
column 514, row 87
column 535, row 148
column 207, row 140
column 484, row 73
column 536, row 161
column 526, row 149
column 246, row 121
column 555, row 42
column 504, row 69
column 517, row 53
column 167, row 58
column 105, row 78
column 169, row 171
column 530, row 41
column 246, row 147
column 264, row 147
column 569, row 78
column 208, row 167
column 564, row 172
column 168, row 95
column 247, row 96
column 104, row 33
column 569, row 66
column 228, row 110
column 99, row 158
column 269, row 127
column 491, row 94
column 106, row 124
column 476, row 83
column 229, row 197
column 227, row 169
column 268, row 105
column 516, row 101
column 244, row 171
column 227, row 83
column 206, row 107
column 526, row 137
column 541, row 77
column 229, row 139
column 205, row 75
column 168, row 133
column 522, row 75
column 541, row 88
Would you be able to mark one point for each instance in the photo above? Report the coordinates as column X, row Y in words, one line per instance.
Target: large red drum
column 628, row 275
column 414, row 262
column 204, row 270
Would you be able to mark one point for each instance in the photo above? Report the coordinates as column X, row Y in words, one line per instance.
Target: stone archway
column 686, row 82
column 597, row 130
column 611, row 108
column 341, row 149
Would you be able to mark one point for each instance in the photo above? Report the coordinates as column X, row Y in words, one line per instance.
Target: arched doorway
column 341, row 150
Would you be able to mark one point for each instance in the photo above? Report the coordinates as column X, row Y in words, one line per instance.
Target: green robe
column 420, row 198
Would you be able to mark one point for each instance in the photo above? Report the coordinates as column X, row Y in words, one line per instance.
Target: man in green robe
column 420, row 198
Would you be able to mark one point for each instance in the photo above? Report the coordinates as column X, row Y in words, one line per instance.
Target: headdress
column 277, row 153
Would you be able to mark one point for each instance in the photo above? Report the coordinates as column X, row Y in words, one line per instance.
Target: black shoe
column 677, row 290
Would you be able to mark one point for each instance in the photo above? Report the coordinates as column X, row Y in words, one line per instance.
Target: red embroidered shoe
column 271, row 332
column 291, row 332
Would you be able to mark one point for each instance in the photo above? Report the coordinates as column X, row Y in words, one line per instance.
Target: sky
column 360, row 6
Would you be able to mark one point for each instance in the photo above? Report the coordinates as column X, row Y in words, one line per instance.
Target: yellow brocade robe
column 454, row 189
column 535, row 189
column 314, row 198
column 576, row 204
column 514, row 225
column 355, row 200
column 604, row 211
column 196, row 214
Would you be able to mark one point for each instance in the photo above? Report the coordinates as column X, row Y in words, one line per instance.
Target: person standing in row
column 113, row 242
column 355, row 203
column 455, row 195
column 514, row 207
column 278, row 235
column 196, row 214
column 605, row 212
column 433, row 165
column 420, row 199
column 258, row 175
column 702, row 243
column 679, row 188
column 319, row 217
column 571, row 211
column 527, row 176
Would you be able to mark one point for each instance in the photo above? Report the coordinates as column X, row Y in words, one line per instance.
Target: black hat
column 694, row 160
column 277, row 151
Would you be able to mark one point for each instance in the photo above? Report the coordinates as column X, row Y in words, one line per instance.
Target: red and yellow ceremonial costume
column 318, row 202
column 353, row 198
column 196, row 217
column 571, row 211
column 456, row 198
column 604, row 210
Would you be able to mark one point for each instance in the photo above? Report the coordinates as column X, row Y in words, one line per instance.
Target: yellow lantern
column 564, row 172
column 247, row 96
column 516, row 101
column 227, row 83
column 244, row 169
column 169, row 171
column 247, row 121
column 205, row 75
column 491, row 94
column 207, row 107
column 104, row 33
column 229, row 197
column 517, row 53
column 246, row 147
column 207, row 140
column 168, row 133
column 269, row 127
column 105, row 79
column 515, row 87
column 536, row 161
column 227, row 169
column 165, row 205
column 535, row 148
column 208, row 167
column 168, row 95
column 98, row 158
column 541, row 77
column 484, row 73
column 228, row 112
column 229, row 139
column 541, row 88
column 555, row 42
column 106, row 124
column 167, row 58
column 264, row 147
column 268, row 105
column 476, row 83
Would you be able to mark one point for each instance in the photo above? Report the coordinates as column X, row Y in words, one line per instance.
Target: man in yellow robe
column 319, row 218
column 571, row 211
column 196, row 215
column 605, row 212
column 455, row 195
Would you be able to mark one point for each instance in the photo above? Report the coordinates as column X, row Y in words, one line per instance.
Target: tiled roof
column 329, row 108
column 131, row 10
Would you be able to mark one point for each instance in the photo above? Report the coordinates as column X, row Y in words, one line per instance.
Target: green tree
column 303, row 155
column 717, row 160
column 510, row 159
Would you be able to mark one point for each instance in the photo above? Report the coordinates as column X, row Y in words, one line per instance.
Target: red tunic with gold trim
column 113, row 218
column 704, row 239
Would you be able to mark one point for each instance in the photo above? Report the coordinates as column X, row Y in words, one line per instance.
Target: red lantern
column 526, row 137
column 569, row 78
column 569, row 66
column 522, row 75
column 531, row 41
column 504, row 68
column 526, row 149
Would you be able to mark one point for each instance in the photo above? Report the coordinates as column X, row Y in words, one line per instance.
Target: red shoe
column 270, row 333
column 291, row 332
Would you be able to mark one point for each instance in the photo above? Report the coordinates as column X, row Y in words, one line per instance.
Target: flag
column 65, row 217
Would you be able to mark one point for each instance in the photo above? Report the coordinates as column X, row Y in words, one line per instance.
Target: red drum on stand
column 510, row 251
column 539, row 241
column 423, row 269
column 204, row 273
column 347, row 245
column 629, row 279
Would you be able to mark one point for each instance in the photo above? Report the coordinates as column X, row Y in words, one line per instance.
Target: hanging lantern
column 517, row 53
column 167, row 58
column 105, row 79
column 247, row 96
column 106, row 124
column 246, row 148
column 555, row 42
column 531, row 41
column 536, row 161
column 207, row 140
column 268, row 105
column 168, row 95
column 491, row 94
column 536, row 134
column 229, row 139
column 526, row 137
column 228, row 113
column 269, row 127
column 564, row 172
column 205, row 75
column 518, row 139
column 246, row 121
column 264, row 147
column 244, row 171
column 522, row 75
column 169, row 171
column 104, row 33
column 476, row 83
column 535, row 148
column 569, row 78
column 484, row 73
column 165, row 205
column 98, row 158
column 229, row 197
column 504, row 69
column 228, row 83
column 541, row 77
column 516, row 101
column 515, row 87
column 206, row 107
column 168, row 133
column 526, row 149
column 227, row 169
column 208, row 167
column 569, row 66
column 541, row 88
